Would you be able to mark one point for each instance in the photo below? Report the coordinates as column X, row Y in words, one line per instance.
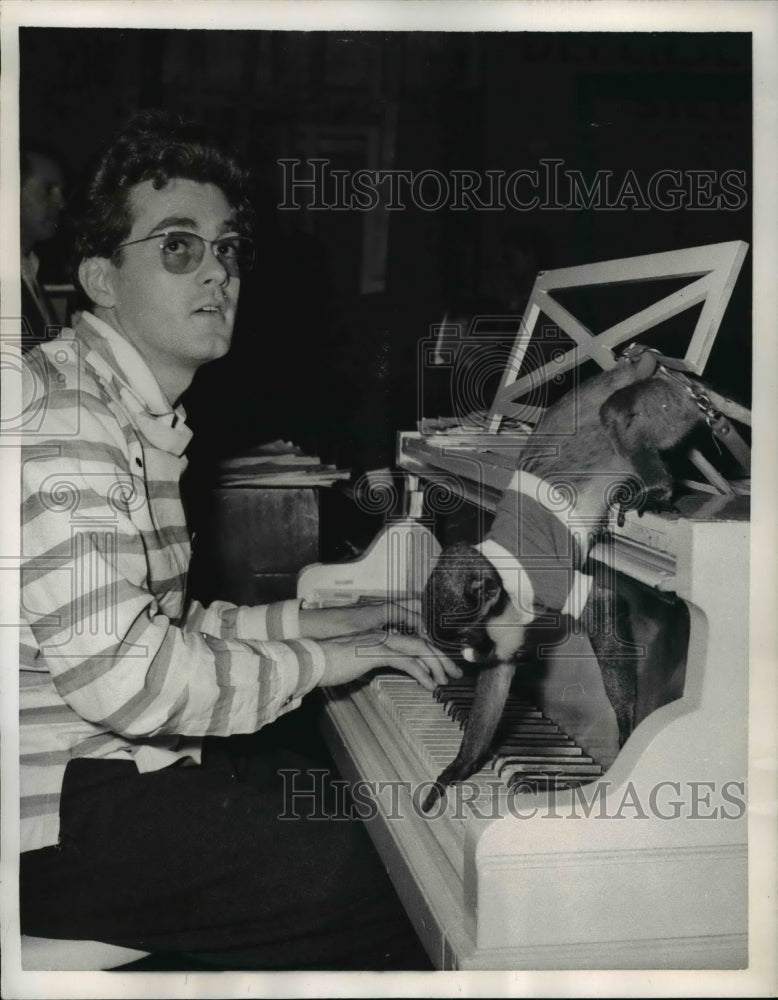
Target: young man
column 136, row 830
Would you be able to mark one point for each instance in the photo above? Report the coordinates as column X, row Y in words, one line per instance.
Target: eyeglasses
column 182, row 253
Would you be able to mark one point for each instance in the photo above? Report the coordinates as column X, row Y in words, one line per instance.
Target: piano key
column 539, row 750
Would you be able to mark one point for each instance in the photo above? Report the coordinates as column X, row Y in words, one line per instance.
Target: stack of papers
column 470, row 430
column 277, row 463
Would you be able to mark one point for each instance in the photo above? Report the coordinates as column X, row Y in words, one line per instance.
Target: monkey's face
column 462, row 595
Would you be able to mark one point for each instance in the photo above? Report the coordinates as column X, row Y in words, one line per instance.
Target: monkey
column 482, row 600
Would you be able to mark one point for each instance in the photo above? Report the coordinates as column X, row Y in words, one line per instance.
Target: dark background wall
column 326, row 343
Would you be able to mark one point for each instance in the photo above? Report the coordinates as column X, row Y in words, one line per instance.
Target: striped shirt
column 112, row 664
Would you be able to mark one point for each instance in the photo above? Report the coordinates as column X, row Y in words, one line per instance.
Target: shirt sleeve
column 280, row 620
column 102, row 606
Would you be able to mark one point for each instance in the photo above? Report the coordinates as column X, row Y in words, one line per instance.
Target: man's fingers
column 439, row 666
column 443, row 668
column 416, row 669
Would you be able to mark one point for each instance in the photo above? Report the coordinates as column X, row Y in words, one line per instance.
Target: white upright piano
column 612, row 859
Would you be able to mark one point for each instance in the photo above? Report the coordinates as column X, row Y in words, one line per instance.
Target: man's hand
column 368, row 615
column 349, row 657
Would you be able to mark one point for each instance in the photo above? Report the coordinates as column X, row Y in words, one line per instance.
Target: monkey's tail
column 437, row 791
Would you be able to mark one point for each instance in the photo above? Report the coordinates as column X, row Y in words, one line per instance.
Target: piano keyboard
column 532, row 753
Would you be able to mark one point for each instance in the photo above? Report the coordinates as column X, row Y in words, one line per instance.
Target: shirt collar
column 515, row 578
column 132, row 370
column 30, row 264
column 139, row 390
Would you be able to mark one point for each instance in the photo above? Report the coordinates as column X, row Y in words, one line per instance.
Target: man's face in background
column 41, row 201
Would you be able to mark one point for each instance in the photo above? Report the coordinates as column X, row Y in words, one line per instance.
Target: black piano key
column 539, row 750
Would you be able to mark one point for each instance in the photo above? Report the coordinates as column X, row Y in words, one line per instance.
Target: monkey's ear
column 619, row 406
column 484, row 589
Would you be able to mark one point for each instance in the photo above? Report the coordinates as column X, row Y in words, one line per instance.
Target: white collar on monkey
column 519, row 587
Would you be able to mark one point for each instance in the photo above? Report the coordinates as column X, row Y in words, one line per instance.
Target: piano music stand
column 712, row 271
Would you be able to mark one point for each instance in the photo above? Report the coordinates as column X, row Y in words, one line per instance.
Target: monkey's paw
column 658, row 500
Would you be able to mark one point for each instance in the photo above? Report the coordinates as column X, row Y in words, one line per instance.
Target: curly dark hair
column 158, row 146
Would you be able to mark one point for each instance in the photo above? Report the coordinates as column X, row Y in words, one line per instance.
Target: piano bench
column 60, row 955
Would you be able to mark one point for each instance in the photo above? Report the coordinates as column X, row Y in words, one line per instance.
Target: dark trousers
column 194, row 862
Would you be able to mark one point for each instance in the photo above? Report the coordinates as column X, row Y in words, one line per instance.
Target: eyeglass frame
column 203, row 240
